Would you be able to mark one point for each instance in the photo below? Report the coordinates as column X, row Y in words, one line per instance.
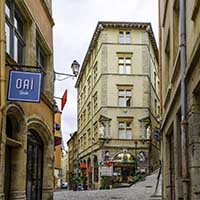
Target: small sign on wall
column 24, row 86
column 106, row 171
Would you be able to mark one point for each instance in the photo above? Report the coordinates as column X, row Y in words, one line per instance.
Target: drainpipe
column 184, row 123
column 2, row 64
column 160, row 57
column 161, row 95
column 2, row 82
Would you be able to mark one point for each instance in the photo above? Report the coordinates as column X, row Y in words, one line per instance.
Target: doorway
column 171, row 166
column 8, row 173
column 11, row 130
column 34, row 166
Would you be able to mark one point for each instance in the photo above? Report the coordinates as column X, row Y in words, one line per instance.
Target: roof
column 72, row 136
column 110, row 24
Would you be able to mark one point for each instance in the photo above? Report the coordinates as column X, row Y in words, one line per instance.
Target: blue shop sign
column 24, row 86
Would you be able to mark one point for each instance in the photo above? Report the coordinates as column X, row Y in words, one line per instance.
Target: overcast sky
column 75, row 22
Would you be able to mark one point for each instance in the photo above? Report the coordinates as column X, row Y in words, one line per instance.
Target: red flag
column 64, row 100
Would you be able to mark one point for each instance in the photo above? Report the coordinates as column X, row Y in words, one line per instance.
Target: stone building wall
column 24, row 123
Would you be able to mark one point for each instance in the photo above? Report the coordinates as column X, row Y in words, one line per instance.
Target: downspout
column 2, row 84
column 184, row 122
column 2, row 64
column 160, row 57
column 160, row 91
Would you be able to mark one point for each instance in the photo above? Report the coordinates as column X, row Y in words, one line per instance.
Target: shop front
column 124, row 168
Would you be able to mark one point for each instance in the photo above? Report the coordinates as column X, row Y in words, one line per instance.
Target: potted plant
column 106, row 182
column 76, row 181
column 84, row 182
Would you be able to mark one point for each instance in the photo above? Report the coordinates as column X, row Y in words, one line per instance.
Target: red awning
column 82, row 165
column 108, row 164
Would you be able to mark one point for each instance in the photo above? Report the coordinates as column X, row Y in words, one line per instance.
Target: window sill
column 13, row 143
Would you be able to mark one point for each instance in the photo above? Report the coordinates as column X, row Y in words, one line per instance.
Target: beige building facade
column 26, row 129
column 65, row 166
column 180, row 144
column 73, row 148
column 118, row 103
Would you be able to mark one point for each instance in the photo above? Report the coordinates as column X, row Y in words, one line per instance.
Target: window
column 84, row 93
column 84, row 117
column 155, row 107
column 81, row 99
column 41, row 62
column 124, row 64
column 81, row 142
column 84, row 141
column 155, row 80
column 7, row 38
column 95, row 100
column 14, row 28
column 81, row 120
column 166, row 66
column 89, row 137
column 88, row 110
column 95, row 131
column 89, row 84
column 121, row 37
column 158, row 110
column 128, row 37
column 158, row 88
column 95, row 72
column 124, row 37
column 125, row 129
column 124, row 96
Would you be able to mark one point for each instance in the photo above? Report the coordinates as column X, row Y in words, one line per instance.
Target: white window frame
column 124, row 65
column 95, row 101
column 125, row 129
column 124, row 37
column 124, row 97
column 15, row 32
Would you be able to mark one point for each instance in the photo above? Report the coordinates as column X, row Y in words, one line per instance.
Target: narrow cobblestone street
column 141, row 191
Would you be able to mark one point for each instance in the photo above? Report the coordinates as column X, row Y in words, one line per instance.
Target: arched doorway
column 13, row 163
column 8, row 158
column 34, row 166
column 39, row 140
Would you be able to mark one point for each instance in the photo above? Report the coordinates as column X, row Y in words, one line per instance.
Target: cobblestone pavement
column 141, row 191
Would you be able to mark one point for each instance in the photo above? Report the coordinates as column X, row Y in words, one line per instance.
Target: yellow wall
column 58, row 149
column 46, row 23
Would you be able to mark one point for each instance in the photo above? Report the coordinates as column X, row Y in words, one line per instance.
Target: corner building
column 118, row 103
column 26, row 130
column 175, row 184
